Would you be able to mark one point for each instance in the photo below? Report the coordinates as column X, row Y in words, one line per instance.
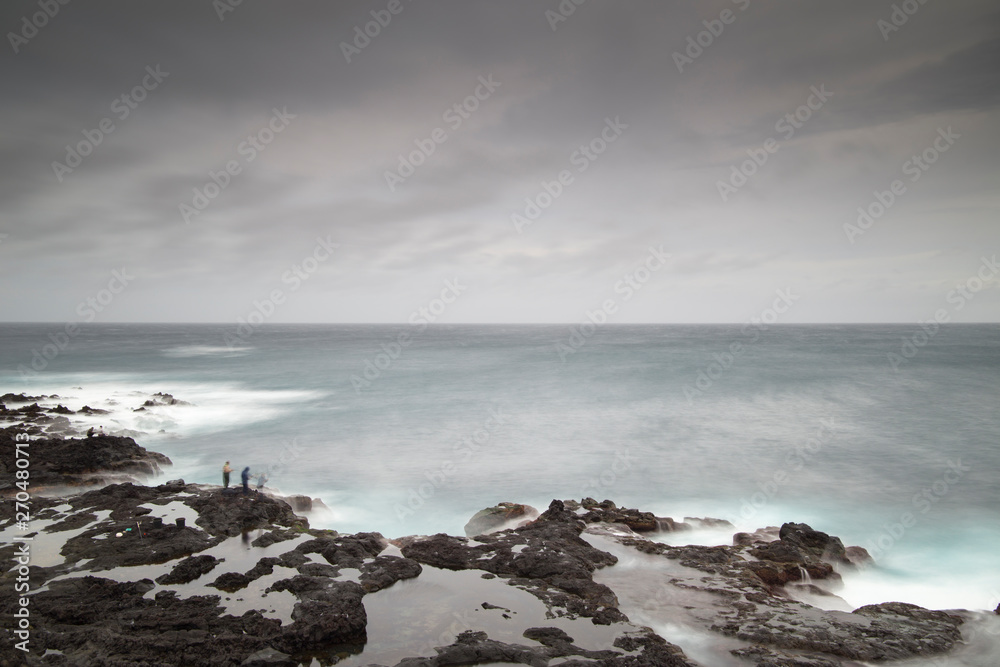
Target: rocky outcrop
column 811, row 542
column 502, row 515
column 749, row 587
column 24, row 398
column 547, row 557
column 384, row 571
column 81, row 461
column 321, row 579
column 890, row 631
column 188, row 570
column 606, row 511
column 300, row 503
column 119, row 625
column 327, row 615
column 232, row 513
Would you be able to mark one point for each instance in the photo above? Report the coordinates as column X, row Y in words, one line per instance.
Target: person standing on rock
column 225, row 475
column 245, row 475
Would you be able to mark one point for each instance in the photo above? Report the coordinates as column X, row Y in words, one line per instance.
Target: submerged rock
column 270, row 658
column 708, row 522
column 769, row 534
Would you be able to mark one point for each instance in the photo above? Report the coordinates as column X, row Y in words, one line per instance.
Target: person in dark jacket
column 245, row 476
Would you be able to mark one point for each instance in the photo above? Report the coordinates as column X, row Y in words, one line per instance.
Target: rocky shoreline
column 124, row 573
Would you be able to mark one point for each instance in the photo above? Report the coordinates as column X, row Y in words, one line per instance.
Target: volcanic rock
column 82, row 462
column 233, row 514
column 498, row 517
column 188, row 570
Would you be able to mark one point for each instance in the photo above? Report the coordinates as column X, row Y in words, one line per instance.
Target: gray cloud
column 324, row 175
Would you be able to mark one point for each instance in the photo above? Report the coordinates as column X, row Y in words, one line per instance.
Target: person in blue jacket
column 246, row 480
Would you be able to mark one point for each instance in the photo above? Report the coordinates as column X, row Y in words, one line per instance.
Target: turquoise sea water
column 795, row 423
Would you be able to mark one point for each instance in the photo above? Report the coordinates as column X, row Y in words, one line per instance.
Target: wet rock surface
column 591, row 511
column 546, row 557
column 748, row 585
column 502, row 515
column 130, row 586
column 61, row 462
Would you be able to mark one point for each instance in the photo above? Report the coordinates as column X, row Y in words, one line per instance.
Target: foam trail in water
column 203, row 407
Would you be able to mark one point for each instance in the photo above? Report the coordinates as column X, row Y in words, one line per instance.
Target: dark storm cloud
column 325, row 174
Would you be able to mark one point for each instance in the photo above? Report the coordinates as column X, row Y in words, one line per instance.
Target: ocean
column 885, row 435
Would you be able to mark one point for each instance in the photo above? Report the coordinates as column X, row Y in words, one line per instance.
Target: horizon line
column 439, row 324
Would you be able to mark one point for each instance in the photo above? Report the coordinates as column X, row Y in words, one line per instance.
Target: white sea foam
column 203, row 407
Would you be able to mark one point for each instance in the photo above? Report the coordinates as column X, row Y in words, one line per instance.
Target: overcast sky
column 676, row 117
